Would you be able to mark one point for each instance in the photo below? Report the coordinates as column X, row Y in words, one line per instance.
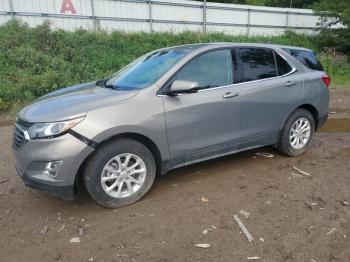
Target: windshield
column 146, row 70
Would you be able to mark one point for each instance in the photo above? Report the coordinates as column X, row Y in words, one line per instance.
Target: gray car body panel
column 70, row 102
column 33, row 155
column 129, row 116
column 186, row 129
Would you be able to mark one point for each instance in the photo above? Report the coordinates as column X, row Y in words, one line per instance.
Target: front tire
column 120, row 173
column 297, row 133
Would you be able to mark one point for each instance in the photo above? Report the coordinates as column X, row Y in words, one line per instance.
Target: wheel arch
column 161, row 166
column 313, row 111
column 309, row 107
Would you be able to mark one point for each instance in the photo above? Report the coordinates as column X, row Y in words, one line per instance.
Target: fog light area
column 51, row 169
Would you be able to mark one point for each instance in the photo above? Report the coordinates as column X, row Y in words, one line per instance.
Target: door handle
column 230, row 95
column 289, row 83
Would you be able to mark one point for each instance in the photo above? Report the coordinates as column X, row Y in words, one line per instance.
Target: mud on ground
column 292, row 217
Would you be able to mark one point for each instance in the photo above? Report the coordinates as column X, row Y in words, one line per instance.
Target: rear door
column 270, row 89
column 205, row 124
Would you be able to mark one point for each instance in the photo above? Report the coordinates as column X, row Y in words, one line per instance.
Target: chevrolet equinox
column 169, row 108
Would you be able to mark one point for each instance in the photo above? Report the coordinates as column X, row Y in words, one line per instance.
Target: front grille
column 18, row 133
column 23, row 124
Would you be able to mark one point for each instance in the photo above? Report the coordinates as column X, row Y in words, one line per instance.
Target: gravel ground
column 291, row 217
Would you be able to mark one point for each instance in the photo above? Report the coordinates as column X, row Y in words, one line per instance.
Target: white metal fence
column 159, row 16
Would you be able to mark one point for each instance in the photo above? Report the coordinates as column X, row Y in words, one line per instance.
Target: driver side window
column 209, row 70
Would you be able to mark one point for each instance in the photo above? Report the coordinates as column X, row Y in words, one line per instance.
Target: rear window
column 308, row 58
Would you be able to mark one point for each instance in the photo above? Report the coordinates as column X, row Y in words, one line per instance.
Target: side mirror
column 183, row 87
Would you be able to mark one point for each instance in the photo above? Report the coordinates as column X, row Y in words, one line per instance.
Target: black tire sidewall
column 284, row 145
column 95, row 165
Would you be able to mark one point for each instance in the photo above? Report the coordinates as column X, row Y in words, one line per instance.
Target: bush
column 35, row 61
column 336, row 65
column 338, row 39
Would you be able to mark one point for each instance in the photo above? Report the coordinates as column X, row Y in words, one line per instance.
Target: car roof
column 194, row 47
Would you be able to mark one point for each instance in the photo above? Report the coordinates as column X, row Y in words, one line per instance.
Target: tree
column 272, row 3
column 331, row 13
column 287, row 3
column 240, row 2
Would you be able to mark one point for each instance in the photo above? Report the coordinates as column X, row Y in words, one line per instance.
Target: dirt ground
column 292, row 217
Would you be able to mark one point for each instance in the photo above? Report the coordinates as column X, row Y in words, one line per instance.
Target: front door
column 205, row 124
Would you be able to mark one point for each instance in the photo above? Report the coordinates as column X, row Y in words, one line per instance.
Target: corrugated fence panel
column 177, row 12
column 4, row 19
column 229, row 30
column 176, row 18
column 266, row 31
column 273, row 19
column 125, row 16
column 5, row 10
column 176, row 28
column 5, row 6
column 136, row 10
column 227, row 16
column 302, row 20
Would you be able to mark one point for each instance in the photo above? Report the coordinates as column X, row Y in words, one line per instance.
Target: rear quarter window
column 307, row 58
column 283, row 67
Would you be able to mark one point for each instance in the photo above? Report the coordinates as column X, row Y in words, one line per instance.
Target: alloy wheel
column 300, row 133
column 123, row 175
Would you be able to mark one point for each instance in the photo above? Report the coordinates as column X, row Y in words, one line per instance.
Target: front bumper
column 64, row 192
column 32, row 157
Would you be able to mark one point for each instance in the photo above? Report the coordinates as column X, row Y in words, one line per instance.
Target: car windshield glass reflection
column 146, row 70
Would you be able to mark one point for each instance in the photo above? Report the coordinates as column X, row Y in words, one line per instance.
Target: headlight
column 48, row 130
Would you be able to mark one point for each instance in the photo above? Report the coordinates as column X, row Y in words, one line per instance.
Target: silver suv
column 170, row 108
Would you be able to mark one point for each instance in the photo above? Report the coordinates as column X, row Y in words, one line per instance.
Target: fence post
column 248, row 22
column 11, row 9
column 205, row 17
column 287, row 20
column 93, row 14
column 150, row 16
column 290, row 14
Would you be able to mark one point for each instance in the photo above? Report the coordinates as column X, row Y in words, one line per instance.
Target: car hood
column 72, row 101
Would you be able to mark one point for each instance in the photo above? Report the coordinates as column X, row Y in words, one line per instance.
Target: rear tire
column 120, row 173
column 297, row 133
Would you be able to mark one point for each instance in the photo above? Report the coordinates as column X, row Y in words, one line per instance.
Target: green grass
column 337, row 69
column 35, row 61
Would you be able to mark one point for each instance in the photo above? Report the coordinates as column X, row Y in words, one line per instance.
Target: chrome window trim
column 270, row 78
column 201, row 90
column 294, row 69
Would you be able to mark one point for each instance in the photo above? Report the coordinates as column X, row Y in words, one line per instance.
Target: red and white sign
column 67, row 6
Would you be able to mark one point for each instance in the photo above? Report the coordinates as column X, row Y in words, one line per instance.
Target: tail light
column 327, row 80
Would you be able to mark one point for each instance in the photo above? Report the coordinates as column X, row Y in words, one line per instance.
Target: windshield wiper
column 103, row 83
column 112, row 87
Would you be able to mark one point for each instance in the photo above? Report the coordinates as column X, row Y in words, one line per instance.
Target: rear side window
column 282, row 65
column 257, row 63
column 307, row 58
